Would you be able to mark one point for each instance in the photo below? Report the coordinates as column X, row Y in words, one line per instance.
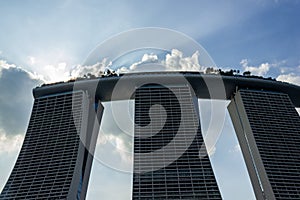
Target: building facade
column 268, row 129
column 170, row 158
column 167, row 144
column 54, row 162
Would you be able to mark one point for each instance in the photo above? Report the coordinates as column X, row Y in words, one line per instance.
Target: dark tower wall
column 167, row 144
column 268, row 129
column 56, row 155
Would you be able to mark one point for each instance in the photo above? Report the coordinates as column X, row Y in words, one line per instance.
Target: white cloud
column 55, row 73
column 260, row 70
column 10, row 144
column 177, row 62
column 174, row 61
column 113, row 151
column 290, row 78
column 147, row 58
column 60, row 71
column 119, row 143
column 96, row 69
column 32, row 60
column 123, row 70
column 5, row 65
column 114, row 145
column 235, row 149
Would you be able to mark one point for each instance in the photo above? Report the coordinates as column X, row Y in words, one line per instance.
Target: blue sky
column 44, row 40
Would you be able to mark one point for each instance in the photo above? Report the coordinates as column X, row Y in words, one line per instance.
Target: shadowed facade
column 168, row 119
column 268, row 129
column 55, row 159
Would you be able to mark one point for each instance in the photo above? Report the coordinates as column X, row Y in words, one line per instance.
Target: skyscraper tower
column 54, row 163
column 168, row 116
column 268, row 129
